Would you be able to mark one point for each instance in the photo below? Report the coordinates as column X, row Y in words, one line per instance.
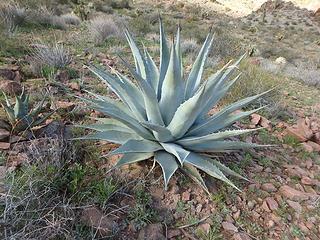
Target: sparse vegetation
column 102, row 28
column 47, row 58
column 53, row 186
column 11, row 16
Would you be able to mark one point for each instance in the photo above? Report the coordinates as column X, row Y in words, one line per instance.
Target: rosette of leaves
column 20, row 116
column 163, row 113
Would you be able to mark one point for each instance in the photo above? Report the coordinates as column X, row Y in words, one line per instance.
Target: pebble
column 228, row 226
column 268, row 187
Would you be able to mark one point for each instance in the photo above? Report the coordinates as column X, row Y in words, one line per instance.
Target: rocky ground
column 64, row 182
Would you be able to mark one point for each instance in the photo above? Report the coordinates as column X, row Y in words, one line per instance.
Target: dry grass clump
column 256, row 80
column 11, row 16
column 309, row 74
column 101, row 28
column 189, row 46
column 54, row 55
column 71, row 19
column 45, row 17
column 45, row 198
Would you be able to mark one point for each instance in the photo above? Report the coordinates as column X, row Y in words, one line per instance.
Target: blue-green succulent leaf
column 161, row 133
column 114, row 136
column 206, row 166
column 176, row 150
column 195, row 75
column 172, row 88
column 134, row 146
column 130, row 158
column 168, row 164
column 164, row 58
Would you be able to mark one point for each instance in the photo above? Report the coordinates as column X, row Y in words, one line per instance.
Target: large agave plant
column 19, row 116
column 164, row 116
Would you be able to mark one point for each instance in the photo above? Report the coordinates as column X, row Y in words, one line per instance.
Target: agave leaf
column 110, row 121
column 128, row 93
column 152, row 71
column 215, row 136
column 164, row 58
column 134, row 146
column 19, row 109
column 40, row 120
column 102, row 101
column 105, row 127
column 206, row 166
column 114, row 111
column 114, row 136
column 150, row 98
column 161, row 133
column 125, row 83
column 194, row 174
column 213, row 99
column 10, row 114
column 172, row 88
column 225, row 169
column 178, row 48
column 138, row 58
column 217, row 122
column 239, row 104
column 220, row 146
column 168, row 164
column 176, row 150
column 129, row 158
column 194, row 79
column 7, row 99
column 36, row 111
column 185, row 115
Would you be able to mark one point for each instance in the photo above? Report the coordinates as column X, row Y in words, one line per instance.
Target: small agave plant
column 163, row 116
column 20, row 117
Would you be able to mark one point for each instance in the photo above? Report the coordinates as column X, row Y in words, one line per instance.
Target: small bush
column 255, row 80
column 11, row 16
column 189, row 46
column 43, row 16
column 71, row 19
column 53, row 56
column 101, row 28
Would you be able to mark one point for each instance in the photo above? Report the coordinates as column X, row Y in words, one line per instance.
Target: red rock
column 293, row 194
column 205, row 227
column 152, row 232
column 228, row 226
column 265, row 207
column 4, row 133
column 185, row 196
column 241, row 236
column 10, row 87
column 4, row 145
column 74, row 86
column 306, row 180
column 295, row 171
column 17, row 77
column 173, row 233
column 93, row 217
column 64, row 105
column 307, row 147
column 270, row 224
column 7, row 73
column 272, row 204
column 255, row 119
column 301, row 131
column 268, row 187
column 295, row 205
column 315, row 147
column 316, row 137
